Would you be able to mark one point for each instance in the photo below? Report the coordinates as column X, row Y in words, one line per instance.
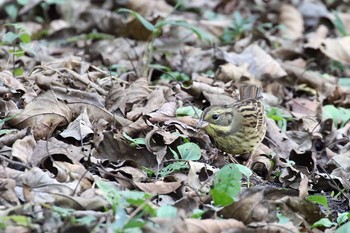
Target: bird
column 236, row 128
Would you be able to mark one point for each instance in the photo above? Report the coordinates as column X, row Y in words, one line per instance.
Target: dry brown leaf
column 260, row 63
column 281, row 145
column 195, row 178
column 79, row 128
column 10, row 82
column 259, row 204
column 301, row 107
column 337, row 49
column 43, row 114
column 116, row 98
column 159, row 187
column 148, row 8
column 115, row 148
column 293, row 23
column 57, row 149
column 314, row 40
column 8, row 194
column 326, row 85
column 23, row 149
column 231, row 72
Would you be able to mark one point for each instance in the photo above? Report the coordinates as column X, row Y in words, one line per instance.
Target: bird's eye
column 215, row 116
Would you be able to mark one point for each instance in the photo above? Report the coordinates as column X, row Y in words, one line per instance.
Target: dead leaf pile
column 99, row 100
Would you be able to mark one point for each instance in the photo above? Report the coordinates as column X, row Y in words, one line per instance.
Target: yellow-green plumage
column 237, row 128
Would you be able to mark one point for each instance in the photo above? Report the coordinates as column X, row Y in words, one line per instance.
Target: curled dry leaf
column 116, row 149
column 337, row 49
column 78, row 100
column 196, row 88
column 259, row 204
column 179, row 225
column 281, row 145
column 231, row 72
column 8, row 194
column 23, row 149
column 116, row 98
column 157, row 140
column 260, row 63
column 291, row 18
column 43, row 114
column 199, row 175
column 325, row 84
column 316, row 38
column 9, row 82
column 159, row 187
column 57, row 150
column 79, row 128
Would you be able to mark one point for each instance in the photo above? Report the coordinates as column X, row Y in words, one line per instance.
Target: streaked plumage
column 237, row 128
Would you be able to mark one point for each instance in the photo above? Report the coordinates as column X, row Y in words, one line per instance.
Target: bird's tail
column 249, row 91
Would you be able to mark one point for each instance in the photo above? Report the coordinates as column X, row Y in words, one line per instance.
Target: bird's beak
column 201, row 124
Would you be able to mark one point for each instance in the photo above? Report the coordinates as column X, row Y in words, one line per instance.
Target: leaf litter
column 100, row 102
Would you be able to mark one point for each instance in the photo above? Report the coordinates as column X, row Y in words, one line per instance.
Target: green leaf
column 110, row 192
column 227, row 185
column 18, row 219
column 339, row 24
column 173, row 167
column 167, row 212
column 344, row 228
column 323, row 222
column 197, row 213
column 6, row 131
column 176, row 156
column 175, row 75
column 202, row 35
column 339, row 115
column 147, row 24
column 62, row 211
column 10, row 37
column 18, row 71
column 134, row 141
column 319, row 199
column 25, row 38
column 160, row 67
column 221, row 198
column 11, row 10
column 281, row 218
column 189, row 151
column 189, row 111
column 245, row 171
column 344, row 82
column 343, row 217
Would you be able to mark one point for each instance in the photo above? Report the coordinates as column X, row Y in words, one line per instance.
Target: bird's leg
column 232, row 159
column 249, row 162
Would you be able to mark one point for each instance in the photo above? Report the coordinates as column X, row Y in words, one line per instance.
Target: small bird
column 236, row 128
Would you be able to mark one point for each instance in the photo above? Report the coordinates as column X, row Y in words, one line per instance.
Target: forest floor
column 100, row 102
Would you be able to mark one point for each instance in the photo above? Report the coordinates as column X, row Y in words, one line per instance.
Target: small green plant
column 2, row 121
column 239, row 26
column 326, row 222
column 19, row 39
column 339, row 115
column 227, row 185
column 188, row 151
column 189, row 111
column 319, row 199
column 19, row 220
column 178, row 76
column 134, row 141
column 121, row 200
column 339, row 24
column 280, row 117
